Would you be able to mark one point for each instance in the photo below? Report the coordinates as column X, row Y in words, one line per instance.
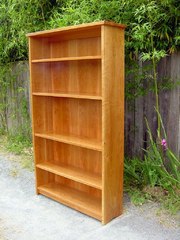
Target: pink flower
column 164, row 143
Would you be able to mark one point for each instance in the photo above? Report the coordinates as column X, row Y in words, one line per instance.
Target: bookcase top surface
column 85, row 26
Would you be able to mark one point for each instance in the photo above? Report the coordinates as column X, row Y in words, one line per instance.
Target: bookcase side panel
column 112, row 121
column 31, row 49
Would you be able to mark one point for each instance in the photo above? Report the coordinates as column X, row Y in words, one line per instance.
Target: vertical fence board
column 173, row 123
column 18, row 98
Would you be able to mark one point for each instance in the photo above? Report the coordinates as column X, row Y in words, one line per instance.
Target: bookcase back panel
column 76, row 43
column 41, row 77
column 43, row 113
column 76, row 117
column 43, row 150
column 44, row 177
column 76, row 48
column 80, row 77
column 65, row 154
column 40, row 48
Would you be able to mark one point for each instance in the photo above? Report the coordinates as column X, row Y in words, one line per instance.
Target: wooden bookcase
column 77, row 98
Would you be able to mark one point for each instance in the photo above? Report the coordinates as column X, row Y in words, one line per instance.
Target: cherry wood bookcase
column 77, row 98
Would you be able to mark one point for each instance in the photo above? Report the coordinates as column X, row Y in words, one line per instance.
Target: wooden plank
column 31, row 51
column 173, row 116
column 68, row 95
column 113, row 121
column 66, row 59
column 87, row 26
column 73, row 198
column 73, row 173
column 77, row 141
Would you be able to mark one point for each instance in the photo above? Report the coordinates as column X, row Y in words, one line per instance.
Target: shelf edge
column 71, row 142
column 66, row 175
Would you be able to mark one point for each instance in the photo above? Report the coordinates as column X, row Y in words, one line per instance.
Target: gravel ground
column 27, row 216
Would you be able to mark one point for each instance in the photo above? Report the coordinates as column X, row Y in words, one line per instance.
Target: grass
column 18, row 144
column 141, row 192
column 18, row 148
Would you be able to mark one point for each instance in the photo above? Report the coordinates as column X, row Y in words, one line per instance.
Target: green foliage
column 17, row 143
column 160, row 170
column 171, row 203
column 157, row 18
column 143, row 19
column 16, row 19
column 137, row 196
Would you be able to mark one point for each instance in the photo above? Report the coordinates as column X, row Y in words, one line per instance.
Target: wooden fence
column 135, row 127
column 135, row 111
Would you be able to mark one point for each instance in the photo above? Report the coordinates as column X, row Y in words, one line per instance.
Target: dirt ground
column 27, row 216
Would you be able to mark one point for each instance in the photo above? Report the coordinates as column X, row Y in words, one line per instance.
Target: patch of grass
column 168, row 201
column 137, row 197
column 171, row 203
column 144, row 184
column 18, row 143
column 21, row 149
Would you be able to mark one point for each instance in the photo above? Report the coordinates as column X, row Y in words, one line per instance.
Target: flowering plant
column 164, row 144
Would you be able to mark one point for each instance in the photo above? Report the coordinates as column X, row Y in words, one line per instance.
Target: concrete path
column 26, row 216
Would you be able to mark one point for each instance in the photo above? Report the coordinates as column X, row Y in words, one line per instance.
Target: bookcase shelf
column 73, row 173
column 77, row 101
column 81, row 142
column 73, row 198
column 66, row 59
column 67, row 95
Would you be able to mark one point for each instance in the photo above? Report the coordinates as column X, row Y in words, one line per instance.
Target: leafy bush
column 158, row 17
column 156, row 177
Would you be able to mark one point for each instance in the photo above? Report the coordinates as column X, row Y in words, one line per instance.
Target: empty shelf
column 76, row 141
column 73, row 173
column 62, row 59
column 68, row 95
column 76, row 199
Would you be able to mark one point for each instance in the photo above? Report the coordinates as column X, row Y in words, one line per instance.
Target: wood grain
column 73, row 173
column 73, row 198
column 77, row 79
column 113, row 121
column 67, row 95
column 87, row 27
column 81, row 142
column 66, row 59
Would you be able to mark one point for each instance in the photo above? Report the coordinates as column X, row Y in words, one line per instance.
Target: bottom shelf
column 78, row 200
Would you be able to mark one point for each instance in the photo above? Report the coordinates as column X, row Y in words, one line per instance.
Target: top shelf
column 66, row 59
column 75, row 28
